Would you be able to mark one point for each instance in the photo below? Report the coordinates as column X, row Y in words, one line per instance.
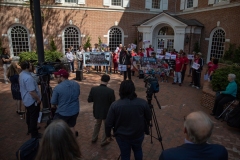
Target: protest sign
column 97, row 58
column 190, row 56
column 173, row 56
column 133, row 46
column 146, row 41
column 195, row 66
column 159, row 51
column 122, row 67
column 167, row 55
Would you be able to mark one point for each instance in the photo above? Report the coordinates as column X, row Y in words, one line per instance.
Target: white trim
column 105, row 36
column 207, row 39
column 63, row 41
column 125, row 36
column 10, row 38
column 210, row 41
column 227, row 40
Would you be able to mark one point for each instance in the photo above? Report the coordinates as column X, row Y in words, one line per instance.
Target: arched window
column 115, row 38
column 166, row 31
column 19, row 40
column 217, row 46
column 71, row 38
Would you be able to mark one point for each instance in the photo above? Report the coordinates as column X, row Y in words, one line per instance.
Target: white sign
column 122, row 67
column 167, row 55
column 133, row 46
column 146, row 41
column 190, row 56
column 173, row 56
column 195, row 65
column 159, row 50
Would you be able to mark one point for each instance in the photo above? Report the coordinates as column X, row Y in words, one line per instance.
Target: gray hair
column 232, row 76
column 199, row 127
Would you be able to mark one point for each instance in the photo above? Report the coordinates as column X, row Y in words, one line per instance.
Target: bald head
column 198, row 127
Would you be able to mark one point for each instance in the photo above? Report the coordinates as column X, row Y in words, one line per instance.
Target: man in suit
column 102, row 97
column 198, row 129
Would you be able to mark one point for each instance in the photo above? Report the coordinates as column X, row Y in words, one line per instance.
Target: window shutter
column 211, row 2
column 148, row 4
column 182, row 5
column 107, row 2
column 165, row 5
column 195, row 3
column 81, row 1
column 59, row 1
column 126, row 3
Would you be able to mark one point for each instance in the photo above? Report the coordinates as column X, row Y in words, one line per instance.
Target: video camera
column 46, row 68
column 151, row 83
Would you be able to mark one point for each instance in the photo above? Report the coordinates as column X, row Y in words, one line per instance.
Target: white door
column 165, row 42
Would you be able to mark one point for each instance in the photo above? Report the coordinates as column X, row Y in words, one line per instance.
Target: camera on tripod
column 151, row 83
column 46, row 69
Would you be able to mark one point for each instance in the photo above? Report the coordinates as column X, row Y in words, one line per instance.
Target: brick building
column 179, row 24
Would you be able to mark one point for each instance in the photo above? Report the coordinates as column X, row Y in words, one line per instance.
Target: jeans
column 126, row 145
column 97, row 128
column 220, row 101
column 5, row 68
column 178, row 77
column 80, row 64
column 127, row 74
column 32, row 118
column 72, row 66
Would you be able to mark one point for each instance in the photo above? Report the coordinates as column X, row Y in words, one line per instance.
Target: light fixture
column 187, row 39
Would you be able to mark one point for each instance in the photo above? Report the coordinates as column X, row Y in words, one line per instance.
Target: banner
column 97, row 58
column 122, row 67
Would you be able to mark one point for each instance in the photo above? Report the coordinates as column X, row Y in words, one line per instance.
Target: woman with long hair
column 58, row 143
column 13, row 75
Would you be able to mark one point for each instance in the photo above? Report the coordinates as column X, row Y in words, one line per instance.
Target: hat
column 62, row 72
column 199, row 53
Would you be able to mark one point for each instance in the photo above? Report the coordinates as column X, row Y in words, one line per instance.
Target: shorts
column 70, row 120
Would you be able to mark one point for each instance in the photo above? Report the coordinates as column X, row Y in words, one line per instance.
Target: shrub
column 87, row 44
column 50, row 56
column 53, row 46
column 219, row 78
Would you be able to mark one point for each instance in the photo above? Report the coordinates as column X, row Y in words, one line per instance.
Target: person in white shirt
column 79, row 55
column 70, row 59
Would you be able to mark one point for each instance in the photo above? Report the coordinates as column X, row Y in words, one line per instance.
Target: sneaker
column 173, row 83
column 6, row 82
column 193, row 86
column 180, row 84
column 197, row 87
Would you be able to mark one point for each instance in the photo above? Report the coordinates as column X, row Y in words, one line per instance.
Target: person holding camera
column 129, row 117
column 30, row 97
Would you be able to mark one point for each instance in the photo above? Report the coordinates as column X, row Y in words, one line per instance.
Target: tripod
column 154, row 118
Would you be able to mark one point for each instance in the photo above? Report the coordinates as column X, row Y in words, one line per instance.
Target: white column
column 147, row 34
column 179, row 38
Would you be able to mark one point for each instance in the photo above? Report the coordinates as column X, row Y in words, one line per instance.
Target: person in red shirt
column 149, row 50
column 178, row 70
column 210, row 64
column 140, row 53
column 185, row 63
column 213, row 68
column 115, row 61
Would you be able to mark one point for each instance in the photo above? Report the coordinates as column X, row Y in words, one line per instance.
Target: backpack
column 233, row 118
column 28, row 150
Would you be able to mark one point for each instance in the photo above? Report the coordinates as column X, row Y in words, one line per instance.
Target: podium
column 79, row 75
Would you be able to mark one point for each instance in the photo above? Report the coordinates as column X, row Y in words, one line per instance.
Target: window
column 217, row 46
column 219, row 1
column 71, row 38
column 19, row 39
column 156, row 4
column 165, row 38
column 116, row 2
column 189, row 3
column 15, row 0
column 115, row 38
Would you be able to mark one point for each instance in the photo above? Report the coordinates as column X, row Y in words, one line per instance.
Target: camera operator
column 129, row 116
column 125, row 59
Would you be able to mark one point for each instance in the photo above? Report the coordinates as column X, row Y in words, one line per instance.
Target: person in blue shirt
column 65, row 97
column 225, row 96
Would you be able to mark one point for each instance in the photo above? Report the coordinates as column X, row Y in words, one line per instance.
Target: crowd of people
column 127, row 119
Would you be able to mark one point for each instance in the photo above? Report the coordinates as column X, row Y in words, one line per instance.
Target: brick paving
column 176, row 102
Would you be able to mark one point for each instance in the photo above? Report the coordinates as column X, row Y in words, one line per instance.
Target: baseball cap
column 62, row 72
column 199, row 53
